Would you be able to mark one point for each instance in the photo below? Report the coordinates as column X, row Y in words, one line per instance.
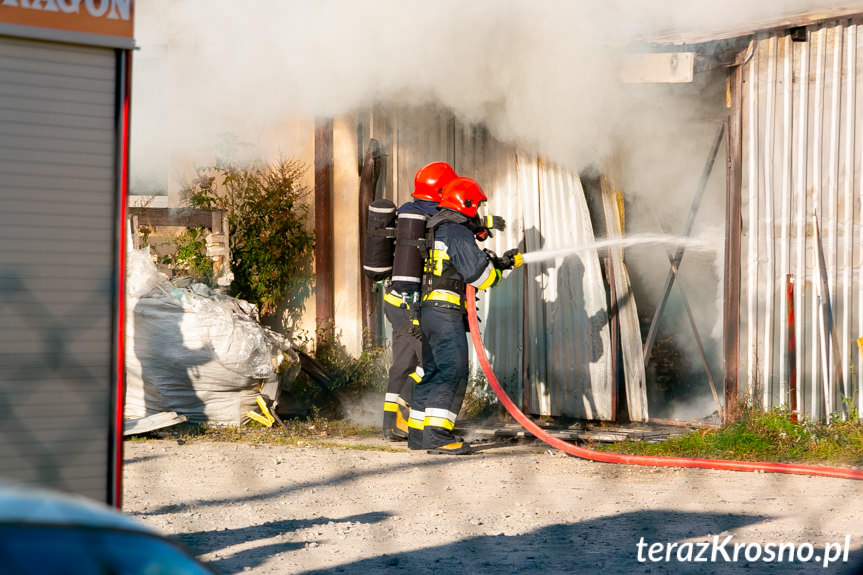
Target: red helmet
column 431, row 179
column 462, row 195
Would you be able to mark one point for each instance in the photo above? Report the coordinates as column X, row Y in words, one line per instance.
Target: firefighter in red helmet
column 453, row 260
column 430, row 180
column 401, row 298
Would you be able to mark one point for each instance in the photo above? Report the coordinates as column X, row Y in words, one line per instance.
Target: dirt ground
column 510, row 508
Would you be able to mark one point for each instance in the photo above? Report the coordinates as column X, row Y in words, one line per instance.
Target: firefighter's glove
column 481, row 226
column 510, row 259
column 494, row 223
column 494, row 259
column 415, row 330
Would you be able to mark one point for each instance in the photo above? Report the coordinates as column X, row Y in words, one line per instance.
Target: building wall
column 801, row 197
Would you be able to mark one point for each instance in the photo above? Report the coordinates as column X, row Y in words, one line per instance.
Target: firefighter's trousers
column 403, row 372
column 439, row 396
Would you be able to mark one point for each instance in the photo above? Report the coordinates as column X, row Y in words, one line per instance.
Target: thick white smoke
column 538, row 73
column 535, row 72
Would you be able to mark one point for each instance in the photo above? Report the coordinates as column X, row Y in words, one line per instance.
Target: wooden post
column 731, row 286
column 324, row 300
column 369, row 175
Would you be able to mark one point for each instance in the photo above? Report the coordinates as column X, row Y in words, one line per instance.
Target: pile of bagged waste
column 196, row 352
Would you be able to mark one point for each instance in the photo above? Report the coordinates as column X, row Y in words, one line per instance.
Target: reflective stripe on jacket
column 455, row 259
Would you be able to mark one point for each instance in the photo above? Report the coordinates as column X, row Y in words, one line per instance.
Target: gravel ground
column 511, row 508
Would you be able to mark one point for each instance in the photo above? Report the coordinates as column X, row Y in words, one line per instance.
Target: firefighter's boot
column 395, row 426
column 454, row 448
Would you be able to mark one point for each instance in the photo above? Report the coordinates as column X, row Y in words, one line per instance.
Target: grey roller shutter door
column 58, row 193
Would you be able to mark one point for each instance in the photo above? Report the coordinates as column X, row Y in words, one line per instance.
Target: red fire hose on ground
column 515, row 412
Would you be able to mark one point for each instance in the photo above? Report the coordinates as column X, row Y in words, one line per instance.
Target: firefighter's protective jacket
column 453, row 261
column 417, row 206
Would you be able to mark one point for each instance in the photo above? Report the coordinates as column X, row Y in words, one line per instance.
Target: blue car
column 44, row 532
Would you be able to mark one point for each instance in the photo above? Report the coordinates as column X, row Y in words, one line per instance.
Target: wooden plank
column 626, row 309
column 185, row 217
column 733, row 231
column 325, row 310
column 370, row 172
column 657, row 68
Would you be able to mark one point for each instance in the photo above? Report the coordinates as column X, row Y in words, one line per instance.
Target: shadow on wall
column 575, row 335
column 504, row 335
column 53, row 363
column 562, row 339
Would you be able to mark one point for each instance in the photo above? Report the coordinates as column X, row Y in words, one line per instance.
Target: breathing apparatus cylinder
column 380, row 240
column 408, row 259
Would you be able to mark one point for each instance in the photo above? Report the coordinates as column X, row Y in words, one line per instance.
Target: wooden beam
column 324, row 274
column 731, row 286
column 657, row 68
column 369, row 174
column 180, row 217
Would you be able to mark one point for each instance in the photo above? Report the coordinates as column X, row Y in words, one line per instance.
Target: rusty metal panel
column 422, row 136
column 802, row 165
column 503, row 323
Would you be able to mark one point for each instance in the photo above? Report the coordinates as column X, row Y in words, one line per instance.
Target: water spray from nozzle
column 691, row 244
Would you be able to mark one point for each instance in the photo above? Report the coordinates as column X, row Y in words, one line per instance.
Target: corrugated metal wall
column 545, row 324
column 801, row 183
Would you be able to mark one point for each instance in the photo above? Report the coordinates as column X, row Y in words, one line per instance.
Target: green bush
column 338, row 380
column 356, row 375
column 271, row 240
column 190, row 257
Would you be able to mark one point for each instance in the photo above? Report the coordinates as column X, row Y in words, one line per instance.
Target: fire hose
column 608, row 457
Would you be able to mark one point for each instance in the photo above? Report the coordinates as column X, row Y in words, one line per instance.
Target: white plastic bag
column 194, row 351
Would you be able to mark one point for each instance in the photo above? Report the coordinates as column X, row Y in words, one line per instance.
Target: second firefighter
column 454, row 259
